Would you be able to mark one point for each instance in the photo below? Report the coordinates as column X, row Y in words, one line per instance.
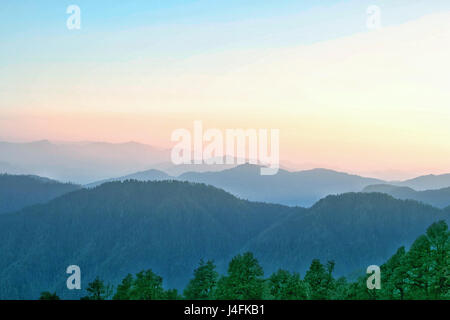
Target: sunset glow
column 368, row 102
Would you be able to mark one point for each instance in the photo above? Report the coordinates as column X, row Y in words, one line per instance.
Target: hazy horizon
column 285, row 164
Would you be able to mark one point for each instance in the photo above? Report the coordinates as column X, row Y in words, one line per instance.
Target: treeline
column 419, row 273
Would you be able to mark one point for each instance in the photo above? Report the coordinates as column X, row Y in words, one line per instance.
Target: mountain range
column 91, row 163
column 118, row 228
column 78, row 162
column 300, row 188
column 426, row 182
column 168, row 226
column 148, row 175
column 439, row 198
column 84, row 162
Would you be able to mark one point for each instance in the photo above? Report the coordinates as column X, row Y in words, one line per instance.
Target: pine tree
column 319, row 280
column 340, row 291
column 243, row 281
column 204, row 282
column 147, row 286
column 123, row 289
column 172, row 294
column 439, row 238
column 393, row 275
column 418, row 264
column 286, row 286
column 97, row 290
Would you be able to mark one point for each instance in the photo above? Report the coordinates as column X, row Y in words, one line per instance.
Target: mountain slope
column 354, row 229
column 168, row 226
column 428, row 182
column 125, row 227
column 148, row 175
column 18, row 191
column 438, row 198
column 301, row 188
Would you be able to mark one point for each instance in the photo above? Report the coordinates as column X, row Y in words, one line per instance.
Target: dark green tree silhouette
column 243, row 281
column 123, row 289
column 286, row 286
column 417, row 261
column 172, row 294
column 97, row 290
column 147, row 286
column 393, row 275
column 358, row 290
column 48, row 296
column 439, row 274
column 319, row 280
column 340, row 290
column 204, row 282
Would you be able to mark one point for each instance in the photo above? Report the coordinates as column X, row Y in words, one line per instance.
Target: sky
column 344, row 96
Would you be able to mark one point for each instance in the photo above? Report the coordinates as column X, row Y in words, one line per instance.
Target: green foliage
column 439, row 273
column 393, row 275
column 204, row 281
column 48, row 296
column 319, row 280
column 172, row 294
column 287, row 286
column 419, row 273
column 341, row 287
column 147, row 286
column 123, row 289
column 97, row 290
column 358, row 290
column 243, row 281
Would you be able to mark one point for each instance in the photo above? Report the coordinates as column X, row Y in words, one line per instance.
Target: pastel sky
column 373, row 102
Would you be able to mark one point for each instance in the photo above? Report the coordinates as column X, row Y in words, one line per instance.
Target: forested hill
column 125, row 227
column 19, row 191
column 354, row 229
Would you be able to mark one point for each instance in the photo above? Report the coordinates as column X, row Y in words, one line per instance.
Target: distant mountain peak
column 40, row 142
column 439, row 198
column 386, row 187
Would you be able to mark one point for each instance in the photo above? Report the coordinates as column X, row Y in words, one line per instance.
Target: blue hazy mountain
column 80, row 162
column 168, row 226
column 148, row 175
column 19, row 191
column 176, row 170
column 427, row 182
column 439, row 198
column 302, row 188
column 9, row 168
